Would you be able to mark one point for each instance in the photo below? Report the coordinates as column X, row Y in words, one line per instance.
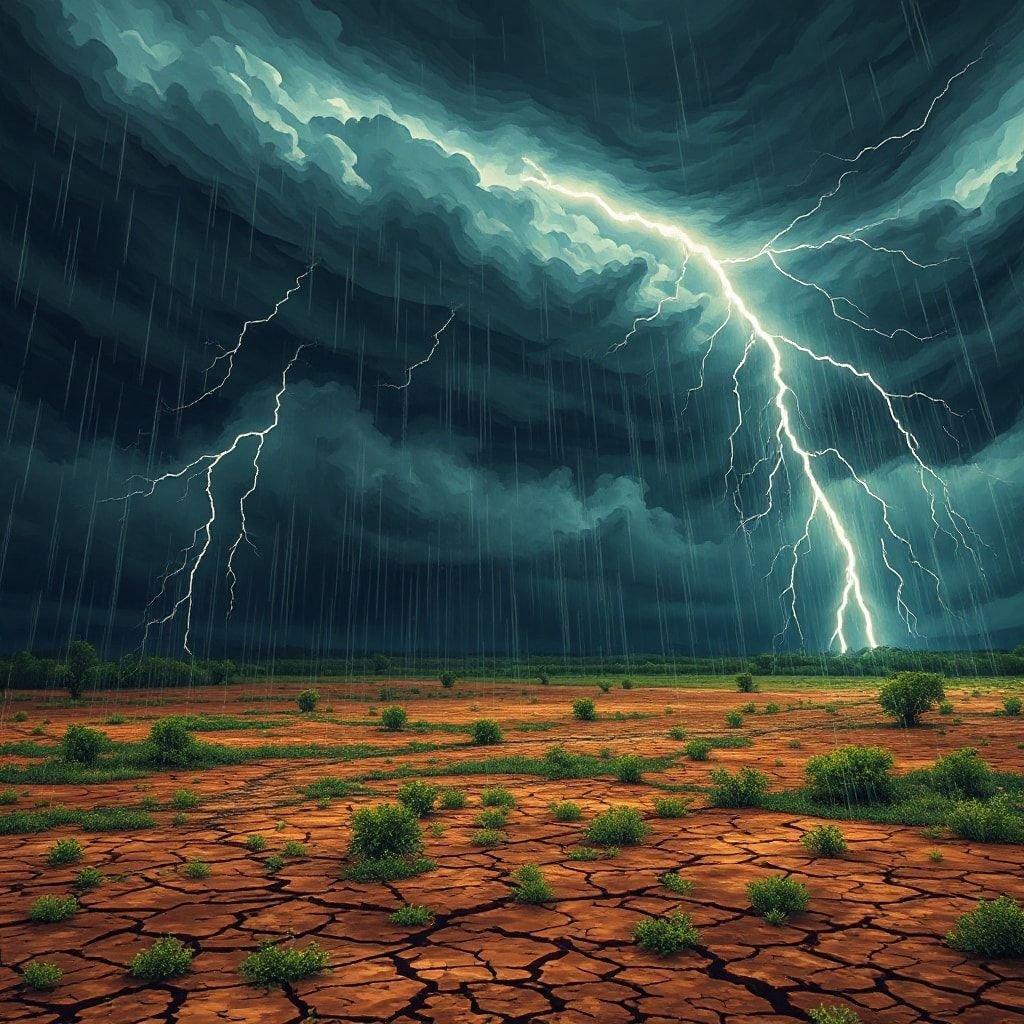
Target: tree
column 908, row 695
column 82, row 659
column 447, row 680
column 745, row 683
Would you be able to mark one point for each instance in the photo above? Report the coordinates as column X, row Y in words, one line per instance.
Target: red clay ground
column 871, row 939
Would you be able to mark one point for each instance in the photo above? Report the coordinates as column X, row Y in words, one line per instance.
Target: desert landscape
column 229, row 857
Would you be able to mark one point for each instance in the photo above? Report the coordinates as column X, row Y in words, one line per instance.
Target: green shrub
column 627, row 684
column 50, row 909
column 447, row 680
column 824, row 1014
column 277, row 965
column 166, row 958
column 41, row 975
column 629, row 768
column 530, row 885
column 667, row 935
column 618, row 826
column 293, row 848
column 64, row 851
column 492, row 817
column 386, row 830
column 963, row 773
column 544, row 679
column 779, row 895
column 566, row 810
column 560, row 763
column 88, row 878
column 197, row 869
column 115, row 720
column 824, row 841
column 184, row 799
column 749, row 708
column 1012, row 706
column 418, row 796
column 772, row 709
column 496, row 796
column 994, row 929
column 308, row 700
column 747, row 788
column 745, row 683
column 734, row 719
column 255, row 843
column 679, row 885
column 593, row 853
column 851, row 775
column 274, row 863
column 171, row 743
column 698, row 750
column 584, row 710
column 670, row 807
column 945, row 707
column 908, row 695
column 451, row 799
column 486, row 732
column 387, row 869
column 994, row 821
column 677, row 732
column 412, row 916
column 488, row 837
column 393, row 719
column 604, row 686
column 8, row 796
column 83, row 745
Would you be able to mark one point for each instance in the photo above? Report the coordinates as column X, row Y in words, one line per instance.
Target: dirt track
column 872, row 936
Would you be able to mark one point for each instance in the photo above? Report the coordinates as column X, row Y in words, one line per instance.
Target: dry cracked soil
column 871, row 938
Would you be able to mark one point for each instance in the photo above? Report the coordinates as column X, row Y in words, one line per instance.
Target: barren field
column 871, row 938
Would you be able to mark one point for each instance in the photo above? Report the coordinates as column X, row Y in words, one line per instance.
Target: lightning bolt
column 193, row 556
column 409, row 370
column 227, row 355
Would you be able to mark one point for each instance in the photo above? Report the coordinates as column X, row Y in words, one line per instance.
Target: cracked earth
column 871, row 939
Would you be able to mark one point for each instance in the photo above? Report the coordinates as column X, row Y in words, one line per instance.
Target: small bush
column 166, row 958
column 255, row 843
column 83, row 745
column 825, row 1014
column 993, row 929
column 747, row 788
column 418, row 796
column 51, row 909
column 851, row 775
column 447, row 680
column 824, row 841
column 679, row 885
column 115, row 720
column 593, row 853
column 698, row 750
column 962, row 774
column 196, row 869
column 734, row 719
column 1012, row 706
column 566, row 810
column 627, row 684
column 779, row 895
column 8, row 796
column 908, row 695
column 745, row 683
column 670, row 807
column 749, row 709
column 994, row 821
column 274, row 863
column 666, row 936
column 393, row 719
column 486, row 732
column 184, row 799
column 488, row 838
column 604, row 686
column 387, row 869
column 278, row 965
column 412, row 916
column 945, row 707
column 293, row 848
column 497, row 797
column 618, row 826
column 88, row 878
column 492, row 817
column 386, row 830
column 64, row 851
column 308, row 700
column 584, row 710
column 530, row 885
column 629, row 768
column 772, row 709
column 451, row 799
column 171, row 743
column 544, row 679
column 41, row 975
column 677, row 732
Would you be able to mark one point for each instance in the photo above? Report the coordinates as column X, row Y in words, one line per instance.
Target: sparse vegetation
column 64, row 851
column 670, row 807
column 566, row 810
column 824, row 841
column 496, row 796
column 308, row 700
column 166, row 958
column 593, row 853
column 908, row 695
column 488, row 837
column 679, row 885
column 530, row 886
column 52, row 909
column 41, row 975
column 184, row 799
column 618, row 826
column 419, row 797
column 293, row 848
column 963, row 774
column 447, row 680
column 629, row 768
column 992, row 821
column 196, row 869
column 451, row 800
column 1012, row 706
column 412, row 916
column 734, row 719
column 492, row 817
column 485, row 732
column 88, row 878
column 698, row 750
column 667, row 935
column 677, row 732
column 83, row 745
column 747, row 788
column 584, row 710
column 833, row 1014
column 255, row 843
column 851, row 775
column 778, row 895
column 994, row 929
column 393, row 719
column 745, row 683
column 274, row 965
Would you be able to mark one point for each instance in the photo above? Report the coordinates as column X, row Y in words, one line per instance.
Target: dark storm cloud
column 172, row 167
